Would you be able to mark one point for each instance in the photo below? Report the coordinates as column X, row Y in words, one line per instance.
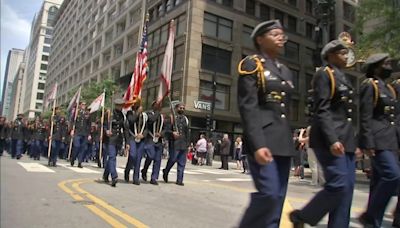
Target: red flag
column 166, row 68
column 51, row 96
column 139, row 74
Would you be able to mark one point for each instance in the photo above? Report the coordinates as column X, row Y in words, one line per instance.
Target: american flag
column 73, row 105
column 139, row 75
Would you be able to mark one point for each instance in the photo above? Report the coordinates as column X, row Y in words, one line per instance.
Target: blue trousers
column 79, row 148
column 110, row 166
column 56, row 146
column 179, row 157
column 154, row 153
column 2, row 146
column 337, row 195
column 17, row 148
column 271, row 182
column 384, row 184
column 135, row 157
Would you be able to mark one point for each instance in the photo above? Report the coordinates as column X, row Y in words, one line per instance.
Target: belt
column 273, row 97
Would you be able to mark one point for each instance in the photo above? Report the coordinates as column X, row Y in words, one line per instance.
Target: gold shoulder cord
column 259, row 69
column 376, row 89
column 329, row 71
column 392, row 90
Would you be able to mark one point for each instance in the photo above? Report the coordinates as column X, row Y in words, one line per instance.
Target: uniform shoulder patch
column 250, row 65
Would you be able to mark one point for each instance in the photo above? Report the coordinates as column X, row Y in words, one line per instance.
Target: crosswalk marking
column 234, row 179
column 78, row 170
column 35, row 167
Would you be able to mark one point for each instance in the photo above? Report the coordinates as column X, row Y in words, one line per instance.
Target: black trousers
column 224, row 161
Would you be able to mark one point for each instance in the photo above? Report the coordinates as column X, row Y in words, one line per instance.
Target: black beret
column 334, row 45
column 264, row 27
column 373, row 59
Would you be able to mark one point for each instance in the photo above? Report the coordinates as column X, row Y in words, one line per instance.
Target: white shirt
column 201, row 145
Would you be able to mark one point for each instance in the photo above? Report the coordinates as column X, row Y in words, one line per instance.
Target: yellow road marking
column 63, row 186
column 110, row 220
column 110, row 208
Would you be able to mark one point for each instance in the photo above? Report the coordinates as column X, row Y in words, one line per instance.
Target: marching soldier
column 136, row 132
column 81, row 135
column 264, row 89
column 153, row 143
column 333, row 139
column 114, row 140
column 3, row 134
column 60, row 131
column 378, row 136
column 180, row 143
column 396, row 86
column 18, row 132
column 39, row 135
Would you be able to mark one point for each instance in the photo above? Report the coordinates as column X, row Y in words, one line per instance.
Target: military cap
column 179, row 104
column 119, row 101
column 20, row 114
column 264, row 27
column 334, row 45
column 373, row 59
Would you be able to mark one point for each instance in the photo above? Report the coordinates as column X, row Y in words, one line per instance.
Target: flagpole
column 73, row 126
column 51, row 128
column 173, row 112
column 101, row 129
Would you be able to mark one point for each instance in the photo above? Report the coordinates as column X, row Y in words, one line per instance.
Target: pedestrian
column 18, row 135
column 332, row 137
column 264, row 89
column 378, row 136
column 224, row 153
column 245, row 162
column 201, row 149
column 210, row 152
column 180, row 141
column 3, row 134
column 396, row 86
column 298, row 159
column 153, row 143
column 81, row 135
column 114, row 140
column 238, row 152
column 135, row 134
column 60, row 131
column 38, row 138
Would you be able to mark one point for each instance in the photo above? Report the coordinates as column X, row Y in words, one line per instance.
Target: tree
column 378, row 27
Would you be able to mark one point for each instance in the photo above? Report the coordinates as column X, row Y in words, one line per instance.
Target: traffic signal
column 208, row 121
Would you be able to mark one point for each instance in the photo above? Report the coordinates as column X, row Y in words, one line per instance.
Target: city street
column 34, row 195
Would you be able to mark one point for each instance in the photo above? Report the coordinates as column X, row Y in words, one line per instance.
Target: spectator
column 210, row 153
column 238, row 152
column 225, row 147
column 201, row 148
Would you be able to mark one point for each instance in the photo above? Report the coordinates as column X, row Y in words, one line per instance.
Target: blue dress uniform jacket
column 60, row 129
column 182, row 142
column 82, row 125
column 18, row 130
column 263, row 105
column 117, row 129
column 333, row 110
column 378, row 120
column 396, row 87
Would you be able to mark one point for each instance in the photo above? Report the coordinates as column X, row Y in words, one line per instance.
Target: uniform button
column 283, row 93
column 391, row 115
column 350, row 110
column 282, row 105
column 283, row 83
column 350, row 101
column 351, row 91
column 349, row 119
column 392, row 107
column 392, row 123
column 283, row 116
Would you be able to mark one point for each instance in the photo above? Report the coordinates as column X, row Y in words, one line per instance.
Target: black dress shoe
column 363, row 219
column 136, row 182
column 296, row 220
column 80, row 165
column 72, row 163
column 19, row 157
column 114, row 182
column 154, row 182
column 105, row 179
column 165, row 176
column 180, row 183
column 144, row 175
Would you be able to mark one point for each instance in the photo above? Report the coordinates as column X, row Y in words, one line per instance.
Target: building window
column 46, row 49
column 295, row 78
column 294, row 110
column 279, row 15
column 293, row 2
column 264, row 12
column 181, row 25
column 246, row 32
column 292, row 51
column 348, row 12
column 41, row 86
column 47, row 40
column 309, row 7
column 179, row 54
column 164, row 34
column 222, row 94
column 309, row 78
column 309, row 30
column 39, row 96
column 228, row 3
column 216, row 59
column 45, row 58
column 43, row 66
column 292, row 24
column 251, row 7
column 49, row 31
column 309, row 57
column 38, row 106
column 51, row 16
column 217, row 27
column 169, row 5
column 176, row 88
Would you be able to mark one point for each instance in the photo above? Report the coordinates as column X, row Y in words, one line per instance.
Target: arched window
column 51, row 15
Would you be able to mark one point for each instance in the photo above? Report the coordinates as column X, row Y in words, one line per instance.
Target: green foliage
column 384, row 34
